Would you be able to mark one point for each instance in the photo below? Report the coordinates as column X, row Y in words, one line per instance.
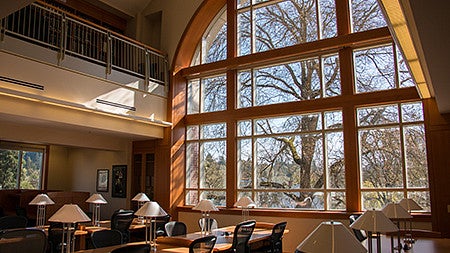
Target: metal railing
column 64, row 33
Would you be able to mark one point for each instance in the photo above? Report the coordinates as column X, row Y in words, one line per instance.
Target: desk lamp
column 141, row 198
column 69, row 215
column 374, row 222
column 205, row 206
column 396, row 212
column 151, row 210
column 41, row 200
column 410, row 205
column 331, row 237
column 96, row 199
column 245, row 203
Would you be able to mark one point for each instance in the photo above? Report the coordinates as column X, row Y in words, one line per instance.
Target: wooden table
column 181, row 243
column 421, row 245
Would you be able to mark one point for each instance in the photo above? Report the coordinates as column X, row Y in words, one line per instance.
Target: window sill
column 308, row 214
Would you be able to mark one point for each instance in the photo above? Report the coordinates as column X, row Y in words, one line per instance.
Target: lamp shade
column 374, row 221
column 410, row 204
column 41, row 200
column 96, row 198
column 245, row 202
column 141, row 197
column 205, row 205
column 69, row 213
column 151, row 209
column 332, row 237
column 395, row 211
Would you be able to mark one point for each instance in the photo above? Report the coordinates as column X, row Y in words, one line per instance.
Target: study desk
column 180, row 244
column 421, row 245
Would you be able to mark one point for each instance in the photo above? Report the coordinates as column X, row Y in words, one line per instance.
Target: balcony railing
column 64, row 33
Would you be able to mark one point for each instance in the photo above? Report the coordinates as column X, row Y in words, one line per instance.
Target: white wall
column 75, row 169
column 176, row 14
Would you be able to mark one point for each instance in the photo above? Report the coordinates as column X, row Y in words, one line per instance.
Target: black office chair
column 13, row 221
column 140, row 248
column 203, row 244
column 174, row 228
column 242, row 233
column 105, row 238
column 30, row 240
column 276, row 239
column 121, row 220
column 208, row 222
column 360, row 235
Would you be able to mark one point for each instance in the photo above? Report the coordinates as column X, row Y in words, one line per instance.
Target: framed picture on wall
column 102, row 180
column 119, row 181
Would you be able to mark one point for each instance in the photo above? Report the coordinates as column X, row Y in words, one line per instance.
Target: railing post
column 147, row 69
column 108, row 54
column 63, row 39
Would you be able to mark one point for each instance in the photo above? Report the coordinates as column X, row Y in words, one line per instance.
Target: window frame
column 344, row 43
column 24, row 147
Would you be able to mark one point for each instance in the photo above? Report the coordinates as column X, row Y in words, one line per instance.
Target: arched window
column 302, row 105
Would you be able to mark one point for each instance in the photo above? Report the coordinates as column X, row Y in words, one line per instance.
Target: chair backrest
column 140, row 248
column 203, row 244
column 13, row 221
column 360, row 235
column 105, row 238
column 208, row 222
column 23, row 240
column 121, row 220
column 276, row 242
column 242, row 233
column 174, row 228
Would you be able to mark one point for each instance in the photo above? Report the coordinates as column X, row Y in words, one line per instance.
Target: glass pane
column 380, row 115
column 288, row 82
column 197, row 56
column 244, row 33
column 289, row 124
column 192, row 133
column 331, row 76
column 245, row 91
column 213, row 165
column 244, row 128
column 366, row 15
column 404, row 75
column 191, row 197
column 328, row 18
column 31, row 171
column 333, row 120
column 335, row 160
column 336, row 201
column 289, row 162
column 422, row 198
column 245, row 164
column 380, row 158
column 379, row 199
column 297, row 200
column 416, row 156
column 214, row 94
column 217, row 197
column 284, row 24
column 213, row 131
column 193, row 96
column 192, row 154
column 9, row 167
column 215, row 40
column 374, row 69
column 412, row 112
column 243, row 3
